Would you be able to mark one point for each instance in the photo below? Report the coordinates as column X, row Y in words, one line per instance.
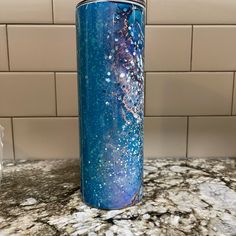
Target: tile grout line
column 233, row 91
column 38, row 117
column 184, row 116
column 145, row 74
column 39, row 71
column 8, row 54
column 189, row 24
column 53, row 21
column 191, row 53
column 13, row 140
column 145, row 102
column 41, row 24
column 187, row 137
column 157, row 71
column 187, row 71
column 147, row 24
column 55, row 91
column 71, row 116
column 146, row 11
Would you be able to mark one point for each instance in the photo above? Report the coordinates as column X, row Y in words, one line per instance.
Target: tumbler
column 110, row 57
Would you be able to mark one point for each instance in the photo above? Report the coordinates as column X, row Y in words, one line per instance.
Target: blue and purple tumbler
column 110, row 48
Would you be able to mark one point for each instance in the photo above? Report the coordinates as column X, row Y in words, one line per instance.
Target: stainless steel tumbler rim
column 137, row 2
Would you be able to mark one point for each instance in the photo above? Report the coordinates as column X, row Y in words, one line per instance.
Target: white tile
column 67, row 95
column 214, row 48
column 27, row 94
column 165, row 137
column 189, row 93
column 25, row 11
column 212, row 137
column 3, row 49
column 167, row 48
column 7, row 139
column 191, row 12
column 64, row 11
column 234, row 97
column 42, row 47
column 46, row 138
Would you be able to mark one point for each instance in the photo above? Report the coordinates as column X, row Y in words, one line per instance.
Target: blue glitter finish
column 110, row 43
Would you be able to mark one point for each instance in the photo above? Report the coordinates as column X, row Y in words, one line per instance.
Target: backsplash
column 190, row 64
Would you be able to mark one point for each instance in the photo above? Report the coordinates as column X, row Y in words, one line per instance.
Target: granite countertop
column 182, row 197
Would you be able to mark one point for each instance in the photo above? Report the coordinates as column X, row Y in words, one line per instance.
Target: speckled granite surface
column 182, row 197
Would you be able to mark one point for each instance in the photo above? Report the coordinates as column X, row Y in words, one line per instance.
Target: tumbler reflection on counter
column 110, row 53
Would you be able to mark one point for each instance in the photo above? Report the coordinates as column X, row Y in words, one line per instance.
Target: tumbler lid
column 140, row 2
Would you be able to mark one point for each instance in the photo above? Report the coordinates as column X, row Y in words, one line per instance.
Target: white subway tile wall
column 214, row 48
column 64, row 11
column 27, row 94
column 234, row 100
column 212, row 136
column 190, row 94
column 191, row 12
column 7, row 139
column 25, row 11
column 67, row 94
column 168, row 48
column 165, row 136
column 46, row 138
column 3, row 49
column 42, row 47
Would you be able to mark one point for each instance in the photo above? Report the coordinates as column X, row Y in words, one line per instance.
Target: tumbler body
column 110, row 55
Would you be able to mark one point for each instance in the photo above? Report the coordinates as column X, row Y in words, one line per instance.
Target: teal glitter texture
column 110, row 46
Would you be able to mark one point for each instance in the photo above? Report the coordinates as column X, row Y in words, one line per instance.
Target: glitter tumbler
column 110, row 55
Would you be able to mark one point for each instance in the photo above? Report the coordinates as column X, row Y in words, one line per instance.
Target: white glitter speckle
column 122, row 75
column 108, row 73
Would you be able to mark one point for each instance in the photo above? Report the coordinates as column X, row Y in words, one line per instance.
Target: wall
column 190, row 68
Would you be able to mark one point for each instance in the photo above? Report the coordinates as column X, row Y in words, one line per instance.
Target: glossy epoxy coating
column 110, row 42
